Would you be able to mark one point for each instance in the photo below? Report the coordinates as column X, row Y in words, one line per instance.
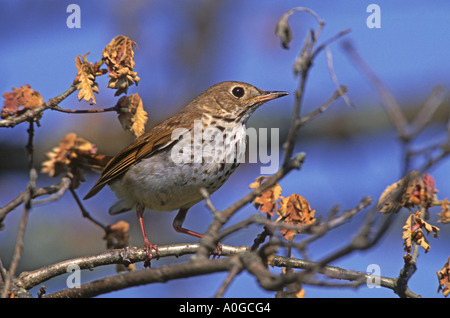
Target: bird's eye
column 238, row 91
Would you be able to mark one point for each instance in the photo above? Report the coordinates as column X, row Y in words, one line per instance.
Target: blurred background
column 185, row 47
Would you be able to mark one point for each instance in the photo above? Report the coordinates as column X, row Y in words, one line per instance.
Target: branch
column 211, row 238
column 58, row 190
column 342, row 90
column 146, row 276
column 318, row 228
column 126, row 256
column 32, row 113
column 389, row 102
column 368, row 235
column 86, row 214
column 233, row 272
column 31, row 188
column 334, row 78
column 337, row 272
column 85, row 111
column 427, row 110
column 301, row 66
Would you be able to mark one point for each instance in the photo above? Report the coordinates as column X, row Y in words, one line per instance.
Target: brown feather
column 143, row 147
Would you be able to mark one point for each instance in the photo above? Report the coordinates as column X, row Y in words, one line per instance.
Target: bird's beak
column 266, row 96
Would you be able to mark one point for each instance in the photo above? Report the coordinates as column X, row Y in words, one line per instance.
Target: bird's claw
column 217, row 251
column 149, row 254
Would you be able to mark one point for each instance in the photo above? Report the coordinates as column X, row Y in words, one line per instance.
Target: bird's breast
column 172, row 177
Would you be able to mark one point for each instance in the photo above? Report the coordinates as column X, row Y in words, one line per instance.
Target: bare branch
column 85, row 111
column 427, row 110
column 57, row 189
column 234, row 271
column 390, row 104
column 86, row 214
column 211, row 238
column 334, row 78
column 303, row 120
column 126, row 256
column 337, row 273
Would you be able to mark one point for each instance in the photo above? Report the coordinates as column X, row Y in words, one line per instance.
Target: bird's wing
column 157, row 138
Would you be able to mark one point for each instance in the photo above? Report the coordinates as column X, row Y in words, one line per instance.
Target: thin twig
column 260, row 238
column 368, row 235
column 303, row 120
column 427, row 110
column 63, row 187
column 445, row 151
column 211, row 238
column 208, row 201
column 31, row 188
column 3, row 273
column 336, row 272
column 390, row 104
column 85, row 213
column 234, row 271
column 334, row 78
column 315, row 228
column 84, row 111
column 305, row 62
column 23, row 196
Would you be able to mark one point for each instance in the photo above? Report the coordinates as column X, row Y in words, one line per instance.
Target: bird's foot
column 149, row 254
column 218, row 251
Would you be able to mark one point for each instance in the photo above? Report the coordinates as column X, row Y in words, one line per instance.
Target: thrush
column 199, row 147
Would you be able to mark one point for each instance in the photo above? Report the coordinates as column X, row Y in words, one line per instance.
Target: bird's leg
column 177, row 225
column 178, row 222
column 147, row 245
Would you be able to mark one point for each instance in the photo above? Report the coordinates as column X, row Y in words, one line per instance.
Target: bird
column 165, row 168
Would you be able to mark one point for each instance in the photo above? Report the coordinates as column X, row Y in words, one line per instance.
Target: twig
column 427, row 110
column 315, row 228
column 63, row 187
column 319, row 230
column 32, row 113
column 210, row 239
column 401, row 282
column 406, row 131
column 84, row 111
column 336, row 272
column 448, row 131
column 390, row 104
column 305, row 62
column 445, row 151
column 334, row 78
column 21, row 232
column 410, row 266
column 85, row 213
column 367, row 235
column 260, row 238
column 301, row 66
column 3, row 273
column 303, row 120
column 234, row 271
column 59, row 189
column 17, row 251
column 208, row 201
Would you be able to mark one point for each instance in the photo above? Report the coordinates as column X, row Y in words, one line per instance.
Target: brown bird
column 199, row 147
